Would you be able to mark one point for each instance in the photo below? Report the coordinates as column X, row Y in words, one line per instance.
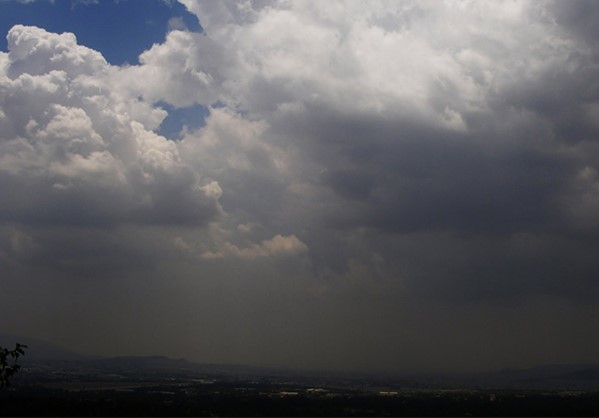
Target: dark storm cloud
column 409, row 178
column 510, row 171
column 476, row 215
column 82, row 253
column 579, row 17
column 507, row 269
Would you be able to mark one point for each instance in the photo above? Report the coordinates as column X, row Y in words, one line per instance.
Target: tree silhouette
column 8, row 363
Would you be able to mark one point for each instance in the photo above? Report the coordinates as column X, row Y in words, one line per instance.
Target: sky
column 382, row 186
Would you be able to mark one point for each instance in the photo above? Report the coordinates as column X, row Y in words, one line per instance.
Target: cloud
column 27, row 1
column 579, row 18
column 184, row 70
column 251, row 167
column 73, row 150
column 277, row 246
column 421, row 118
column 176, row 23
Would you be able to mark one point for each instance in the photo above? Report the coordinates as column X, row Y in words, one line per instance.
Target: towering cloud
column 75, row 150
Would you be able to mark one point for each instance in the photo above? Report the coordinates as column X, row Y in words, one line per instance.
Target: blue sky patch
column 192, row 118
column 119, row 29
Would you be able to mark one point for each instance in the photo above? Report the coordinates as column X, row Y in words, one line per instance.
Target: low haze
column 380, row 186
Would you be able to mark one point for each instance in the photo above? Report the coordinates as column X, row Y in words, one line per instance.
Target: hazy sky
column 341, row 184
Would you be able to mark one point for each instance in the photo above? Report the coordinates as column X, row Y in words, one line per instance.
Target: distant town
column 159, row 386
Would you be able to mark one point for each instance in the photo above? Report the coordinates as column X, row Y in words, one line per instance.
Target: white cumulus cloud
column 76, row 149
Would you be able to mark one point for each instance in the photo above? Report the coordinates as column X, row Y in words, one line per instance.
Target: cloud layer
column 389, row 160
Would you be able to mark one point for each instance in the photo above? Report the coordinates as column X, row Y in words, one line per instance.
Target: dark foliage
column 8, row 363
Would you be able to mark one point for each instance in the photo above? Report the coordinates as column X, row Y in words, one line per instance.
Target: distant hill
column 38, row 350
column 552, row 376
column 147, row 363
column 165, row 364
